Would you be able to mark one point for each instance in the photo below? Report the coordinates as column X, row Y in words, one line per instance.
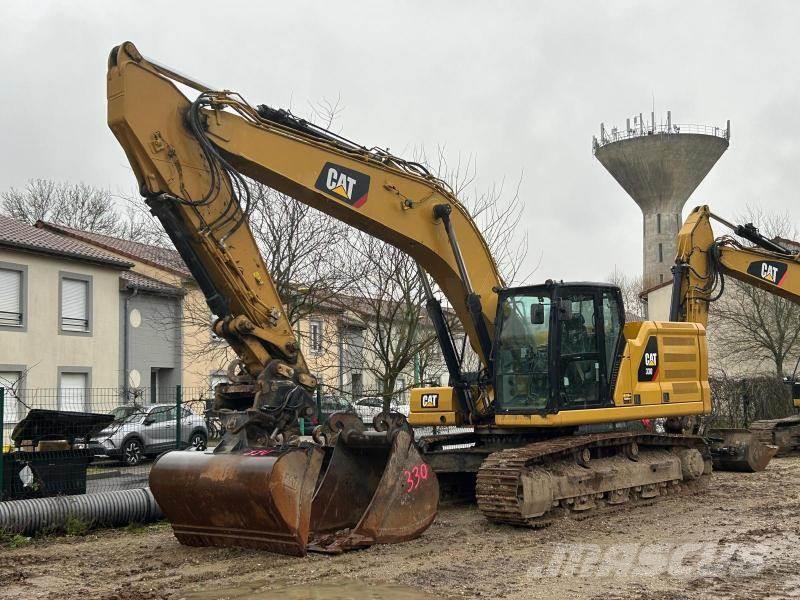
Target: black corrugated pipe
column 106, row 509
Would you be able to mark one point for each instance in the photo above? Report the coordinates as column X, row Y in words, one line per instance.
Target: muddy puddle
column 336, row 590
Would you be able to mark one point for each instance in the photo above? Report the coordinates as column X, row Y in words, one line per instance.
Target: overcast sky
column 521, row 86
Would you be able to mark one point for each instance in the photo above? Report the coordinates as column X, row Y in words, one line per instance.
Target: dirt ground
column 736, row 539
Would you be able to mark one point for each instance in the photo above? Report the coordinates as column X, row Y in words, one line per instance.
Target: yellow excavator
column 555, row 408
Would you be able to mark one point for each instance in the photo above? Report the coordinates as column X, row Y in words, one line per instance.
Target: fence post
column 178, row 419
column 2, row 439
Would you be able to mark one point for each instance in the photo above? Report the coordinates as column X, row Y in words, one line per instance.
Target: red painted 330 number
column 415, row 476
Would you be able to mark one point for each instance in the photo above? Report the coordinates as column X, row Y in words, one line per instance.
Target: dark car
column 328, row 405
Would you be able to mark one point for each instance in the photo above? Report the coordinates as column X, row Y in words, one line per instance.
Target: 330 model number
column 415, row 477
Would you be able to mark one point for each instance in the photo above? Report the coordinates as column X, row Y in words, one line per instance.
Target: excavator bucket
column 739, row 450
column 253, row 499
column 373, row 494
column 373, row 491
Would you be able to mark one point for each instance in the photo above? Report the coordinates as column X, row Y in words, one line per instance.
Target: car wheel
column 132, row 452
column 198, row 441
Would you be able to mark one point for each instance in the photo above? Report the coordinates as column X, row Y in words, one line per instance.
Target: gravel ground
column 736, row 539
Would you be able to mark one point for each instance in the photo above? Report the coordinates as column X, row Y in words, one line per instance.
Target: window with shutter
column 74, row 304
column 315, row 336
column 72, row 392
column 10, row 381
column 11, row 297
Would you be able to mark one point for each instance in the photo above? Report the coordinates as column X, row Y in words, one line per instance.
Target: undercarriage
column 530, row 478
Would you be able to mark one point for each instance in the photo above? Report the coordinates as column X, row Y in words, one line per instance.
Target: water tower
column 660, row 165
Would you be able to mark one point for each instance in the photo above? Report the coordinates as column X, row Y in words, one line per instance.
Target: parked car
column 139, row 432
column 369, row 406
column 330, row 404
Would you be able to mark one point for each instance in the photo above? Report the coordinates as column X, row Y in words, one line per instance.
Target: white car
column 369, row 406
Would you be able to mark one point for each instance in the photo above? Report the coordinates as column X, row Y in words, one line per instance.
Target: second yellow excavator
column 562, row 376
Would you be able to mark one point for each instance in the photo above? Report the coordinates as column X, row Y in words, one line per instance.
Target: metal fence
column 75, row 441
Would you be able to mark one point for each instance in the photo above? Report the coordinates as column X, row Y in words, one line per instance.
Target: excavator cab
column 557, row 347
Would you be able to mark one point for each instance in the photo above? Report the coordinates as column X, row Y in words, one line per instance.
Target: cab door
column 579, row 340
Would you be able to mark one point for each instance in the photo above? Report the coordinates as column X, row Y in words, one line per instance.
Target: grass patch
column 75, row 527
column 134, row 527
column 13, row 540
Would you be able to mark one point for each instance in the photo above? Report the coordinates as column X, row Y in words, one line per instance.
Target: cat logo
column 770, row 271
column 430, row 401
column 648, row 367
column 347, row 185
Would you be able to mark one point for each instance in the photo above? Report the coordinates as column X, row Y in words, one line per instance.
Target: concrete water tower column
column 660, row 165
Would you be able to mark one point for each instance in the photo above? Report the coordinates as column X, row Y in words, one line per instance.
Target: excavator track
column 506, row 476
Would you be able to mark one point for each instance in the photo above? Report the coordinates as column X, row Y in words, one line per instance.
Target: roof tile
column 18, row 234
column 163, row 258
column 134, row 280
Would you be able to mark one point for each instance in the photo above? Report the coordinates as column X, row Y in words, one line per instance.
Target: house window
column 315, row 336
column 76, row 300
column 356, row 385
column 658, row 223
column 12, row 296
column 660, row 252
column 72, row 391
column 11, row 382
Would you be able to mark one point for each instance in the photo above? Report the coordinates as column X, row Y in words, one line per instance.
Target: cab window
column 523, row 379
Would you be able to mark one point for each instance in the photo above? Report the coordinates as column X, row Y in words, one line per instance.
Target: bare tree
column 389, row 298
column 135, row 223
column 751, row 326
column 303, row 249
column 85, row 207
column 496, row 212
column 631, row 287
column 77, row 205
column 390, row 292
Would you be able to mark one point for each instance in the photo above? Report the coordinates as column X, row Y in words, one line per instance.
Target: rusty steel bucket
column 739, row 450
column 373, row 491
column 373, row 494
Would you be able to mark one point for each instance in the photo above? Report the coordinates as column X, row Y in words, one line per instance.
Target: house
column 204, row 357
column 59, row 313
column 338, row 342
column 165, row 339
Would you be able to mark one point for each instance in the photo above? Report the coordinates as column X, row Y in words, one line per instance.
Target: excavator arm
column 703, row 261
column 190, row 159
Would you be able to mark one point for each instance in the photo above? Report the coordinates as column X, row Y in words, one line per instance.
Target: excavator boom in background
column 555, row 408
